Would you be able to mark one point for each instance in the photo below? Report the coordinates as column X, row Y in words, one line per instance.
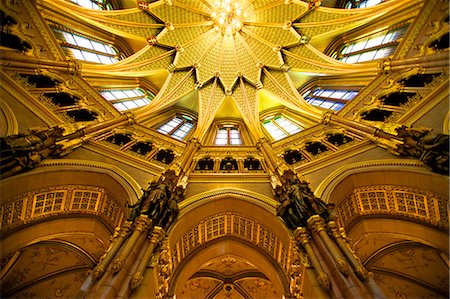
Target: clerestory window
column 332, row 99
column 178, row 127
column 371, row 47
column 94, row 4
column 83, row 48
column 126, row 99
column 228, row 135
column 280, row 127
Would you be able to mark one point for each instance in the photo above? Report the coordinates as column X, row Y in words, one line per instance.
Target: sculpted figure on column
column 25, row 151
column 430, row 148
column 160, row 201
column 298, row 202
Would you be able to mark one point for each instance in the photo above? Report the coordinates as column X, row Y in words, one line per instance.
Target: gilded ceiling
column 202, row 49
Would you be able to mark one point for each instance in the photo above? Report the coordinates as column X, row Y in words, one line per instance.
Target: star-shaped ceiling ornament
column 235, row 48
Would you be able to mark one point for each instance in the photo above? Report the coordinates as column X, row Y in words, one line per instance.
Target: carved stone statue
column 297, row 202
column 428, row 147
column 25, row 151
column 160, row 201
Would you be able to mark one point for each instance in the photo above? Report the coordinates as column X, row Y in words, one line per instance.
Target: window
column 126, row 99
column 362, row 3
column 177, row 127
column 332, row 99
column 83, row 48
column 94, row 4
column 228, row 135
column 280, row 127
column 374, row 46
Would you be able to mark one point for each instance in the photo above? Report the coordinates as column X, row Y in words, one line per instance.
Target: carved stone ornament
column 136, row 280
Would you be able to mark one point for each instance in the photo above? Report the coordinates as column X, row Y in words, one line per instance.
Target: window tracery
column 280, row 127
column 332, row 99
column 228, row 135
column 178, row 127
column 126, row 99
column 374, row 46
column 87, row 49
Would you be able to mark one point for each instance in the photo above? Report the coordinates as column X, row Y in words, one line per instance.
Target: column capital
column 301, row 235
column 156, row 235
column 316, row 223
column 143, row 223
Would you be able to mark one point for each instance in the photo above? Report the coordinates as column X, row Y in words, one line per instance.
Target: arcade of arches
column 224, row 149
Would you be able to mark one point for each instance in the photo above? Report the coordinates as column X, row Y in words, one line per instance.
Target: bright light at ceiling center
column 228, row 16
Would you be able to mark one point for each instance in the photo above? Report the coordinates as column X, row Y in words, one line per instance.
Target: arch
column 236, row 248
column 67, row 171
column 407, row 172
column 8, row 121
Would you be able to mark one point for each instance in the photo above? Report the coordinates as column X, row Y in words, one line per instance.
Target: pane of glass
column 105, row 59
column 366, row 56
column 338, row 94
column 90, row 56
column 326, row 104
column 372, row 2
column 119, row 94
column 384, row 52
column 274, row 131
column 375, row 41
column 316, row 102
column 221, row 141
column 110, row 50
column 120, row 106
column 82, row 42
column 346, row 49
column 326, row 93
column 130, row 104
column 352, row 58
column 68, row 37
column 360, row 45
column 140, row 102
column 107, row 95
column 235, row 141
column 165, row 129
column 98, row 46
column 76, row 53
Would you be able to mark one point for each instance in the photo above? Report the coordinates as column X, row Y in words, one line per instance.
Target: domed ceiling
column 236, row 55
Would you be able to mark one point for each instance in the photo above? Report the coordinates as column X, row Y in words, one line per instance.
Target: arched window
column 87, row 49
column 361, row 3
column 332, row 99
column 280, row 127
column 178, row 127
column 374, row 46
column 94, row 4
column 126, row 99
column 228, row 135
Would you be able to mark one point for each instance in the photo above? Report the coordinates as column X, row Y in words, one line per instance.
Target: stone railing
column 60, row 200
column 395, row 201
